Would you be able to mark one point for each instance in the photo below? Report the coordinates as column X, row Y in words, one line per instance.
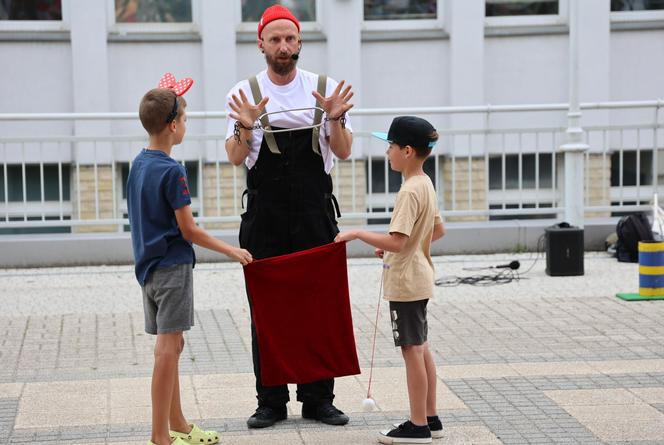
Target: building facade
column 99, row 56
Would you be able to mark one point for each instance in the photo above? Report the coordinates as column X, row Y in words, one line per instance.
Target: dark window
column 627, row 203
column 304, row 10
column 636, row 5
column 153, row 11
column 33, row 183
column 629, row 168
column 519, row 7
column 30, row 10
column 524, row 206
column 528, row 180
column 400, row 9
column 394, row 177
column 378, row 177
column 33, row 230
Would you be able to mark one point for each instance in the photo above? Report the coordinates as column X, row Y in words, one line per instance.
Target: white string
column 373, row 346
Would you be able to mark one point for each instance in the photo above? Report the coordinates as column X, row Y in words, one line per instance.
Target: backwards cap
column 276, row 12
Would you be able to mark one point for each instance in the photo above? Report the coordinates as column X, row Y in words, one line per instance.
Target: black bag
column 630, row 230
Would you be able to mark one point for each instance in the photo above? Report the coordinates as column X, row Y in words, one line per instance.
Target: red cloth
column 301, row 311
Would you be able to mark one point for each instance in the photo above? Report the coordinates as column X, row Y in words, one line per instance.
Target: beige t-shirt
column 410, row 273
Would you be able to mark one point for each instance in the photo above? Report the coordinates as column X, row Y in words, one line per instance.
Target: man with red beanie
column 290, row 206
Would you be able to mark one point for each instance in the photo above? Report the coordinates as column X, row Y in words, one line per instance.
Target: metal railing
column 488, row 165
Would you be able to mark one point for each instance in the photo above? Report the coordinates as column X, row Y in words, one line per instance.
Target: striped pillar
column 651, row 269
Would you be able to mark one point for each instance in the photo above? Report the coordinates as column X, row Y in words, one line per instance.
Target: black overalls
column 290, row 207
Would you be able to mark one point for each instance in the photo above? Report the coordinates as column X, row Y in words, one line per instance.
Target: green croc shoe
column 197, row 436
column 176, row 441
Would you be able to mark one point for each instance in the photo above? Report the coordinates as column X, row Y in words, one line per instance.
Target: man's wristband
column 236, row 130
column 341, row 119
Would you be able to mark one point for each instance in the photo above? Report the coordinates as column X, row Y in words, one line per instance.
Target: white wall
column 456, row 66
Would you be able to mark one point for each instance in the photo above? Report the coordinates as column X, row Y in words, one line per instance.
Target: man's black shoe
column 325, row 412
column 266, row 416
column 407, row 432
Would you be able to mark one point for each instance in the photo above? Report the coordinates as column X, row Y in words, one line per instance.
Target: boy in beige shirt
column 415, row 224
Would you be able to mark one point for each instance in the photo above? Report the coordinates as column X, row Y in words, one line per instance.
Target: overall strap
column 318, row 114
column 265, row 122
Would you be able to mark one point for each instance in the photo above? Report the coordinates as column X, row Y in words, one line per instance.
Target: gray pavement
column 538, row 360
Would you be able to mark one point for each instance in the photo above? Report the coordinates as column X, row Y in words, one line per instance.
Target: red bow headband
column 179, row 87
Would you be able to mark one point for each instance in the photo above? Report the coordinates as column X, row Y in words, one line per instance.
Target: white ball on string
column 368, row 404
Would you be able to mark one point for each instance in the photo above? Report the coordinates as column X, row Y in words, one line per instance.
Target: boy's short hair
column 156, row 108
column 423, row 152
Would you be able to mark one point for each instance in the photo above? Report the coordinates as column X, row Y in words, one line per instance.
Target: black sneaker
column 325, row 412
column 407, row 432
column 266, row 416
column 435, row 426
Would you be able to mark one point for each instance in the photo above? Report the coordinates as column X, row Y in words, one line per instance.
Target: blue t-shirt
column 157, row 186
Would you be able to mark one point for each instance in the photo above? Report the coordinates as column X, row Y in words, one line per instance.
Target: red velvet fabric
column 302, row 315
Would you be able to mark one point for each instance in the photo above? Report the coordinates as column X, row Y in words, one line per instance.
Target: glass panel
column 34, row 230
column 30, row 10
column 629, row 168
column 400, row 9
column 304, row 10
column 33, row 184
column 429, row 168
column 51, row 183
column 378, row 177
column 191, row 167
column 512, row 171
column 496, row 8
column 153, row 11
column 636, row 5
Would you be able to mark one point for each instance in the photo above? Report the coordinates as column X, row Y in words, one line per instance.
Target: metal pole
column 574, row 148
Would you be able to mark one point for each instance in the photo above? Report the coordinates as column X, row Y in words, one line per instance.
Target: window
column 304, row 10
column 521, row 216
column 528, row 169
column 30, row 10
column 497, row 8
column 629, row 169
column 636, row 5
column 400, row 9
column 130, row 18
column 34, row 211
column 153, row 11
column 33, row 184
column 34, row 15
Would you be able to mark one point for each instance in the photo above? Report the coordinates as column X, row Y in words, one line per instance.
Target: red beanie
column 276, row 12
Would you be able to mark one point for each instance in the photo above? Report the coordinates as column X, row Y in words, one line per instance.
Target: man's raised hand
column 336, row 104
column 244, row 111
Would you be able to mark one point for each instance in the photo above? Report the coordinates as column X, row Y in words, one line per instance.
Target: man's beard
column 279, row 66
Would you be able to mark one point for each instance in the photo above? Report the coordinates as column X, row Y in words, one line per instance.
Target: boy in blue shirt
column 162, row 232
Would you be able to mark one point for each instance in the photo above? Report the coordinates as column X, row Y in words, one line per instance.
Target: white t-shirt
column 296, row 94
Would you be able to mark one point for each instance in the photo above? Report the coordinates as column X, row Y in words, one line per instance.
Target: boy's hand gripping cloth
column 301, row 311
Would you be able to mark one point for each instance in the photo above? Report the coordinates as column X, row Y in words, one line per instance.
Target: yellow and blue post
column 651, row 269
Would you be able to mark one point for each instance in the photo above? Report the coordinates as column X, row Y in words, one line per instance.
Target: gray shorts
column 409, row 322
column 168, row 300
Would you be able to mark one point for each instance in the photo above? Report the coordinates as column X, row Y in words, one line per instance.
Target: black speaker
column 564, row 250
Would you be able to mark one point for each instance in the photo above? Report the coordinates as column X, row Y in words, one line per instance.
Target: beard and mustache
column 281, row 65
